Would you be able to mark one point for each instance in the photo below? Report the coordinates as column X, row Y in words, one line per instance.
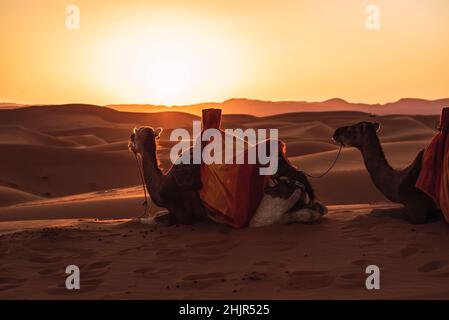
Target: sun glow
column 166, row 66
column 190, row 51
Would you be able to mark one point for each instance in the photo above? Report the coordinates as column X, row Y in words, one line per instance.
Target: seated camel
column 396, row 185
column 288, row 197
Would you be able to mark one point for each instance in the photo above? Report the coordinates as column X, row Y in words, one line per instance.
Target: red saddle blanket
column 232, row 192
column 434, row 175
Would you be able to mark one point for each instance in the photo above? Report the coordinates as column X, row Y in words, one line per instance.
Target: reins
column 142, row 178
column 145, row 203
column 330, row 168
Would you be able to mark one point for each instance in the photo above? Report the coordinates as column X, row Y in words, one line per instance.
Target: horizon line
column 224, row 101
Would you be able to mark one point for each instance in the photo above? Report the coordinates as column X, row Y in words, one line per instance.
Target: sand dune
column 86, row 140
column 399, row 155
column 105, row 134
column 62, row 164
column 53, row 172
column 108, row 204
column 113, row 146
column 301, row 148
column 17, row 135
column 10, row 196
column 45, row 159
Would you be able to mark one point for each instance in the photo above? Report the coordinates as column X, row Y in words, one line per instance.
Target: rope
column 142, row 177
column 330, row 168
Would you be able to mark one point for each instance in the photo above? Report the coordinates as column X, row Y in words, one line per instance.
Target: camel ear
column 363, row 127
column 158, row 132
column 376, row 126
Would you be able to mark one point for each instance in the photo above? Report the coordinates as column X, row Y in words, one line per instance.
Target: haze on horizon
column 184, row 52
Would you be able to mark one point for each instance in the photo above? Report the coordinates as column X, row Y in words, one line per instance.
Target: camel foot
column 161, row 218
column 147, row 220
column 305, row 216
column 318, row 207
column 400, row 213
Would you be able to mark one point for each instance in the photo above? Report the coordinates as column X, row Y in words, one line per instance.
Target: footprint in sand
column 41, row 259
column 255, row 276
column 369, row 240
column 62, row 253
column 98, row 265
column 408, row 251
column 209, row 251
column 96, row 269
column 76, row 253
column 171, row 255
column 211, row 246
column 279, row 245
column 362, row 263
column 264, row 263
column 10, row 283
column 432, row 266
column 151, row 272
column 201, row 280
column 351, row 280
column 436, row 269
column 51, row 272
column 309, row 280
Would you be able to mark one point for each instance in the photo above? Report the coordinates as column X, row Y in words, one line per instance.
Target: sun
column 166, row 66
column 170, row 79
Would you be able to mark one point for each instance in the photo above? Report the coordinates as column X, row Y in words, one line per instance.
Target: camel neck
column 150, row 160
column 382, row 174
column 153, row 176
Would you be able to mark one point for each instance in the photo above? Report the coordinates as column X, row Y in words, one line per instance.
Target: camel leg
column 318, row 207
column 399, row 212
column 163, row 219
column 179, row 204
column 305, row 215
column 420, row 208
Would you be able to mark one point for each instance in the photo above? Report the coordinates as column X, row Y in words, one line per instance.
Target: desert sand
column 69, row 187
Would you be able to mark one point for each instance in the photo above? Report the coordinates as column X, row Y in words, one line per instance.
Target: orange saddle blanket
column 434, row 175
column 232, row 192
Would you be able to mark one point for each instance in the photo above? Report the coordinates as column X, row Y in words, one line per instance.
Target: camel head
column 143, row 139
column 356, row 135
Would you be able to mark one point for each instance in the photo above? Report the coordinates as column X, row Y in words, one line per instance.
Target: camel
column 398, row 186
column 288, row 198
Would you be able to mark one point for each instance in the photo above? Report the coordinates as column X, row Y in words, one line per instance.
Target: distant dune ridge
column 265, row 108
column 8, row 105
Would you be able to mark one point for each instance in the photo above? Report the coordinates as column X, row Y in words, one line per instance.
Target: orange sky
column 182, row 51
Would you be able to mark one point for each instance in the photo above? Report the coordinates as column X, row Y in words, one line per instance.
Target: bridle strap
column 330, row 168
column 142, row 178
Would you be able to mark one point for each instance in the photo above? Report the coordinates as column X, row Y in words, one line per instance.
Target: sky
column 189, row 51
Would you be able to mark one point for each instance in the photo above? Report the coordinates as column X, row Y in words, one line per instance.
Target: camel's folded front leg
column 271, row 209
column 318, row 207
column 397, row 212
column 305, row 215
